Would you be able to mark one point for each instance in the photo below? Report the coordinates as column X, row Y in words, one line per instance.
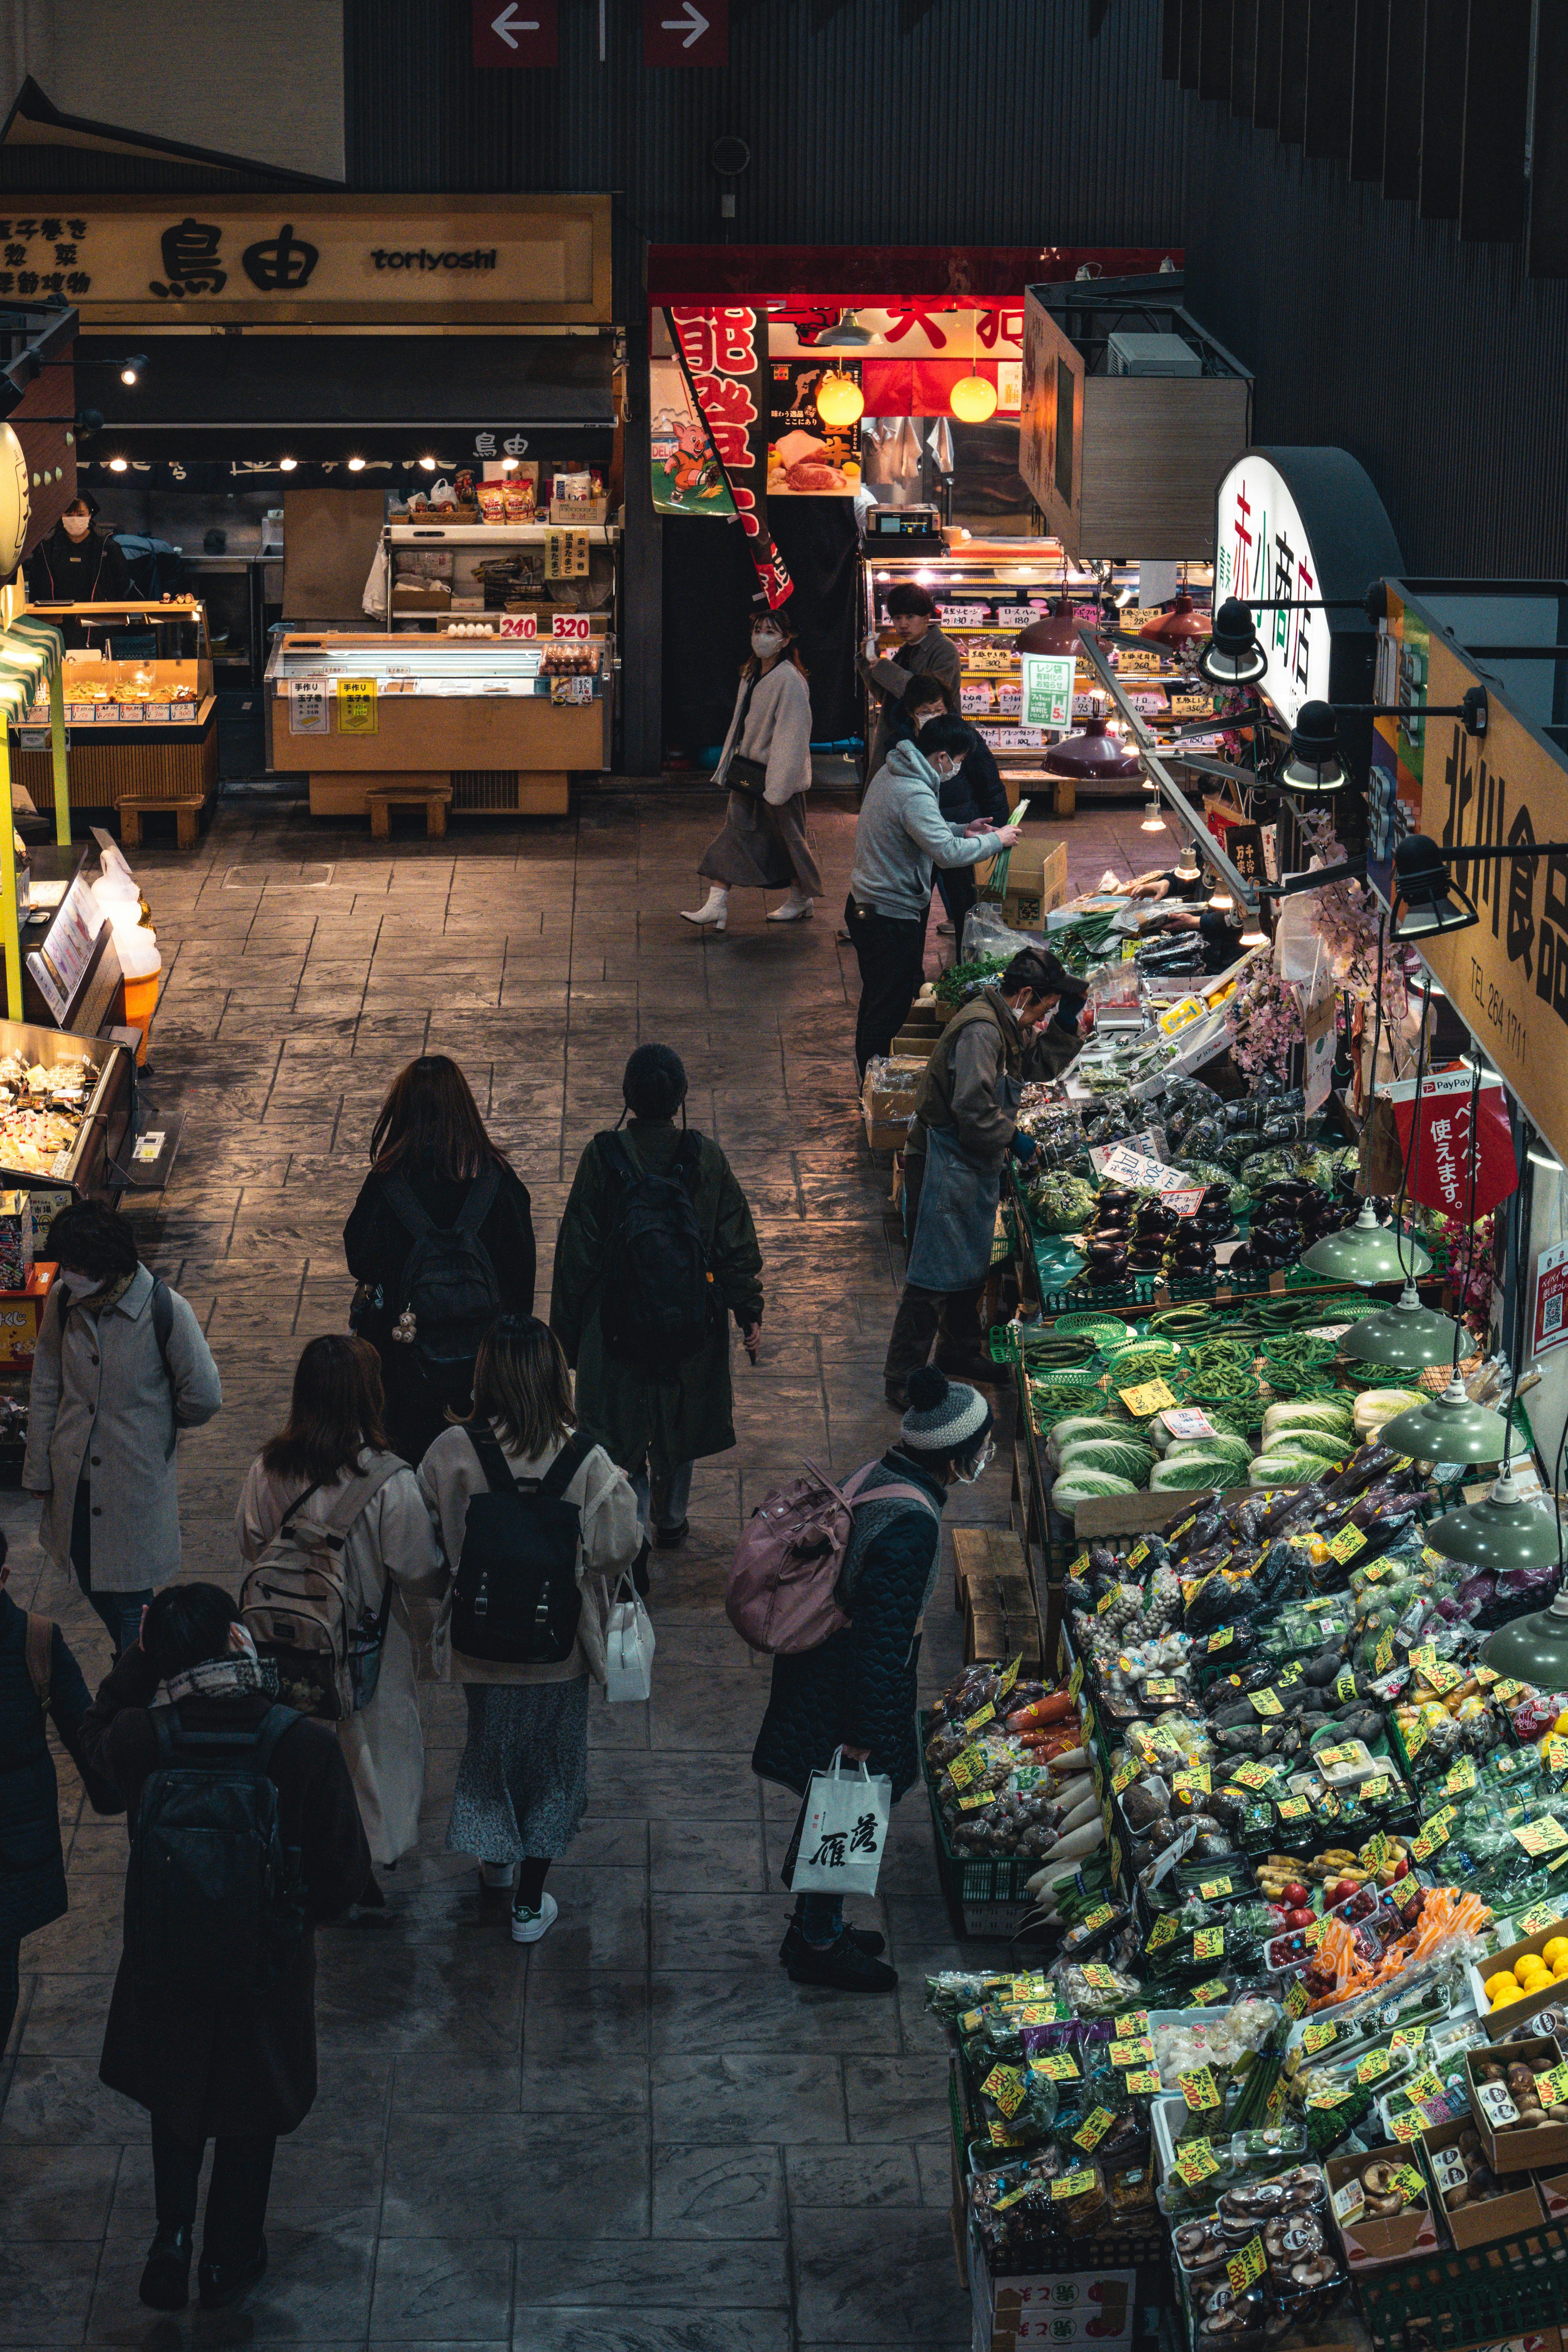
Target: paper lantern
column 840, row 399
column 973, row 399
column 15, row 506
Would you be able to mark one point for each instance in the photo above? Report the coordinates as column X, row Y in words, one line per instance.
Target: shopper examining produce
column 531, row 1514
column 924, row 652
column 966, row 1123
column 899, row 834
column 857, row 1689
column 439, row 1242
column 766, row 762
column 656, row 1250
column 327, row 1496
column 122, row 1368
column 212, row 2023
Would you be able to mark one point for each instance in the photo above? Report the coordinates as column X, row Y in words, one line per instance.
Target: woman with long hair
column 329, row 1466
column 439, row 1242
column 523, row 1781
column 766, row 762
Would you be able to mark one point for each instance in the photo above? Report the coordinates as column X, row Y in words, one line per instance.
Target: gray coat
column 114, row 1423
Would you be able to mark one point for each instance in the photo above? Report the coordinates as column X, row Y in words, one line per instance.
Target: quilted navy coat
column 32, row 1869
column 857, row 1689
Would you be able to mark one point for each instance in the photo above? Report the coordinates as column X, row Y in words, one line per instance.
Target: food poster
column 687, row 476
column 807, row 459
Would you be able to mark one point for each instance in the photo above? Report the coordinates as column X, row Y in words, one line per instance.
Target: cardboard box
column 1371, row 2243
column 421, row 596
column 1501, row 2022
column 1496, row 2217
column 1035, row 873
column 1055, row 2307
column 1553, row 2192
column 1544, row 2148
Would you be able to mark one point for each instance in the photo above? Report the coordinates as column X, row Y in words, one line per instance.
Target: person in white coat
column 766, row 762
column 335, row 1440
column 522, row 1784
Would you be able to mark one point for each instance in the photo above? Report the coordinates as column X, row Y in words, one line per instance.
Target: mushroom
column 1298, row 2236
column 1454, row 2197
column 1318, row 2270
column 1378, row 2178
column 1521, row 2083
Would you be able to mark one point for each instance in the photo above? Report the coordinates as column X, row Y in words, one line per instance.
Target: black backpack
column 214, row 1904
column 660, row 1301
column 448, row 1282
column 516, row 1600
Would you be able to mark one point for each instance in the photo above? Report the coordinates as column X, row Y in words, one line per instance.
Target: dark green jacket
column 631, row 1417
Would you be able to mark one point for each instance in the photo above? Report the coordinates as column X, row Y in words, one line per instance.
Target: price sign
column 1152, row 1397
column 571, row 625
column 1196, row 2162
column 1213, row 1988
column 1244, row 2268
column 1553, row 2085
column 1138, row 1555
column 1375, row 1792
column 1383, row 1656
column 1555, row 1754
column 1295, row 2001
column 1198, row 1783
column 517, row 624
column 1534, row 1921
column 1375, row 2066
column 1377, row 1570
column 1425, row 1846
column 1463, row 1776
column 1162, row 1686
column 1075, row 1680
column 1253, row 1775
column 1416, row 1737
column 1071, row 2184
column 1188, row 1422
column 1108, row 1601
column 1314, row 1934
column 1136, row 2049
column 1332, row 2095
column 1426, row 1657
column 1098, row 1918
column 1100, row 1978
column 1407, row 2127
column 1445, row 1677
column 1507, row 1691
column 1420, row 2087
column 1165, row 1930
column 1007, row 2087
column 1012, row 2196
column 1125, row 1774
column 356, row 706
column 1333, row 1759
column 1319, row 2035
column 965, row 1765
column 1208, row 1943
column 1346, row 1544
column 1147, row 2081
column 1410, row 2185
column 973, row 1798
column 987, row 1714
column 1294, row 1809
column 1092, row 2130
column 1211, row 1889
column 1010, row 1676
column 1057, row 2066
column 1221, row 1639
column 1542, row 1838
column 1131, row 2021
column 1374, row 1853
column 1265, row 1701
column 1200, row 2090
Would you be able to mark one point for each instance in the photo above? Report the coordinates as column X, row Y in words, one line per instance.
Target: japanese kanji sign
column 1262, row 550
column 1440, row 1172
column 724, row 352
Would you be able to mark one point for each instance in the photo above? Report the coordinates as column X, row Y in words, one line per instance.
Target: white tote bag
column 628, row 1645
column 843, row 1830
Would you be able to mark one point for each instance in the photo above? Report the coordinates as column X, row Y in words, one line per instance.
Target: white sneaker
column 527, row 1926
column 713, row 913
column 501, row 1875
column 794, row 909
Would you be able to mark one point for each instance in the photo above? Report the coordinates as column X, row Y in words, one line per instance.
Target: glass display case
column 502, row 708
column 140, row 712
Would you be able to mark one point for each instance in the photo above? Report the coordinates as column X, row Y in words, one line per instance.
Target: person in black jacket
column 856, row 1691
column 975, row 789
column 428, row 1151
column 239, row 2071
column 75, row 564
column 40, row 1682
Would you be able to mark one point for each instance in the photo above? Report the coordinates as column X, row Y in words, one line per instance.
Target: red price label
column 518, row 625
column 570, row 624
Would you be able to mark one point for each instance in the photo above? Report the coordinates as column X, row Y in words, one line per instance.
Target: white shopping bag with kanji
column 841, row 1832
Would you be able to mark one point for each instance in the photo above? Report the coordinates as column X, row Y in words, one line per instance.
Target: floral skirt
column 522, row 1785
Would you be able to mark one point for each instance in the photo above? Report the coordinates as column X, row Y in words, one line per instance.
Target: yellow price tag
column 1075, row 1680
column 1152, row 1397
column 1146, row 2081
column 1319, row 2035
column 1213, row 1988
column 1543, row 1837
column 1463, row 1775
column 1057, row 2066
column 1211, row 1889
column 1199, row 1781
column 1244, row 2268
column 1376, row 1570
column 1137, row 2050
column 1108, row 1601
column 1208, row 1943
column 1071, row 2184
column 1196, row 2162
column 1424, row 1658
column 356, row 706
column 1346, row 1544
column 973, row 1798
column 1221, row 1639
column 1138, row 1555
column 1375, row 2066
column 1265, row 1701
column 1165, row 1930
column 1092, row 2130
column 1200, row 2090
column 1098, row 1918
column 987, row 1714
column 1407, row 2127
column 965, row 1766
column 1010, row 1677
column 1131, row 2021
column 1253, row 1776
column 1383, row 1656
column 1294, row 1809
column 1125, row 1774
column 1295, row 2001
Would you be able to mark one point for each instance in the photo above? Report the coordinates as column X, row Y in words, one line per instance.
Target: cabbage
column 1069, row 1492
column 1123, row 1457
column 1286, row 1469
column 1079, row 1424
column 1194, row 1472
column 1326, row 1446
column 1234, row 1449
column 1308, row 1412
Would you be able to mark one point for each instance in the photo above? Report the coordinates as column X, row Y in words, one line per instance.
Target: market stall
column 139, row 714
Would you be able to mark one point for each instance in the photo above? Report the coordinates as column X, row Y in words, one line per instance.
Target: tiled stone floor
column 640, row 2137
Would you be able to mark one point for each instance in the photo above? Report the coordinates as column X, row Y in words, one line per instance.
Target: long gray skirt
column 762, row 847
column 522, row 1784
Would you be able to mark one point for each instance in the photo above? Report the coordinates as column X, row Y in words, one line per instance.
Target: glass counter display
column 497, row 709
column 140, row 713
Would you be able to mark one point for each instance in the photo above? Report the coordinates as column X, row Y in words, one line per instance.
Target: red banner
column 725, row 352
column 1440, row 1172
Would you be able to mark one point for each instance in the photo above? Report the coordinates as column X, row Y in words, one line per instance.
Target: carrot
column 1055, row 1707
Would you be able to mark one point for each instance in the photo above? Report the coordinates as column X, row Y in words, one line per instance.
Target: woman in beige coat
column 763, row 843
column 332, row 1466
column 522, row 1784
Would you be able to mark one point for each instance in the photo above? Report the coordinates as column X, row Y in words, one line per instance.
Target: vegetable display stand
column 1486, row 2295
column 986, row 1893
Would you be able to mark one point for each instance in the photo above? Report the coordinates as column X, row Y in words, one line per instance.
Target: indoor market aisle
column 639, row 2136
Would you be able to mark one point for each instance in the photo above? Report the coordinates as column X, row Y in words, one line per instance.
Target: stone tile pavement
column 637, row 2136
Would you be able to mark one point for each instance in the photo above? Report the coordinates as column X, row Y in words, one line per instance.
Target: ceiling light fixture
column 1180, row 627
column 1448, row 1428
column 1314, row 765
column 840, row 399
column 1505, row 1529
column 847, row 331
column 357, row 465
column 1425, row 892
column 287, row 465
column 972, row 399
column 118, row 464
column 1055, row 632
column 1094, row 752
column 133, row 368
column 1409, row 1337
column 1233, row 656
column 428, row 465
column 1367, row 1253
column 1153, row 821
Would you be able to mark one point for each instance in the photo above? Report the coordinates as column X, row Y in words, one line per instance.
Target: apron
column 957, row 1223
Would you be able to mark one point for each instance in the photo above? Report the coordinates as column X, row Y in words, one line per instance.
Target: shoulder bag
column 740, row 774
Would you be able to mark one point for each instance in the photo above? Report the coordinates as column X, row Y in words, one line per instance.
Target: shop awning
column 30, row 653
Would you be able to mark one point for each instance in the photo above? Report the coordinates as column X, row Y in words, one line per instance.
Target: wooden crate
column 992, row 1583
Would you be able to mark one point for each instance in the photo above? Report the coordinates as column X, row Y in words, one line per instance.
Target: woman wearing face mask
column 78, row 565
column 766, row 762
column 856, row 1691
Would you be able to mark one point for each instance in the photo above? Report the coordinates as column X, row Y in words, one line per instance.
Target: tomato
column 1298, row 1916
column 1294, row 1896
column 1340, row 1892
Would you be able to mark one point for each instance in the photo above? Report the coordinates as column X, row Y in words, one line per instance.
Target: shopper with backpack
column 532, row 1515
column 244, row 1835
column 656, row 1251
column 440, row 1241
column 344, row 1580
column 855, row 1688
column 122, row 1368
column 40, row 1684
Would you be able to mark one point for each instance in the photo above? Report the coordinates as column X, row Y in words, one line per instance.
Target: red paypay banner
column 1440, row 1169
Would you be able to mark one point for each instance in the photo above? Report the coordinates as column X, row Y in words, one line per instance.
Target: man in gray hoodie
column 901, row 835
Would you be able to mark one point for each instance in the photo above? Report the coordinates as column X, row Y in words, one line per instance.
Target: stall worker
column 924, row 652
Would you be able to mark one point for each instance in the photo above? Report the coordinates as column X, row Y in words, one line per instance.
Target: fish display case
column 66, row 1112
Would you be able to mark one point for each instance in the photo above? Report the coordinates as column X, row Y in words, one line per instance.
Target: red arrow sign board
column 686, row 32
column 516, row 32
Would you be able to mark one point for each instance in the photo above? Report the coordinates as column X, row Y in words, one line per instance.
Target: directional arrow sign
column 686, row 32
column 518, row 33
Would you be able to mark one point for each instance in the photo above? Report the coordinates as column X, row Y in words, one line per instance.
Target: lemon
column 1501, row 1988
column 1555, row 1949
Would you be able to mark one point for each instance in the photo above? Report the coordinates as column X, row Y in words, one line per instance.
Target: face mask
column 968, row 1474
column 77, row 526
column 765, row 642
column 80, row 1290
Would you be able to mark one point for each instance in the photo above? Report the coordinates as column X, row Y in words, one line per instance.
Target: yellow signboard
column 356, row 706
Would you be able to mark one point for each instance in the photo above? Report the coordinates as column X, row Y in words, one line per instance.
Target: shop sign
column 807, row 459
column 688, row 479
column 1446, row 1148
column 1262, row 550
column 1507, row 975
column 1550, row 1300
column 723, row 351
column 1048, row 689
column 309, row 258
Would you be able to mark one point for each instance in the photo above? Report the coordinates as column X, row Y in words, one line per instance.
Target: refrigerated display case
column 140, row 712
column 92, row 1095
column 498, row 706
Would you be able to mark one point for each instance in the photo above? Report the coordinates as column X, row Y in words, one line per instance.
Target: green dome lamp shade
column 1314, row 766
column 1233, row 656
column 1367, row 1252
column 1427, row 900
column 1409, row 1337
column 1448, row 1428
column 1506, row 1529
column 1532, row 1649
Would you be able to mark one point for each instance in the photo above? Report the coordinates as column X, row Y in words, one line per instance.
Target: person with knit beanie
column 856, row 1691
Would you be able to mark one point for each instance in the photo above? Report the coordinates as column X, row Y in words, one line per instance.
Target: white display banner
column 1261, row 549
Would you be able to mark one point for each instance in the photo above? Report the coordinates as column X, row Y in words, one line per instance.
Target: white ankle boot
column 796, row 909
column 713, row 913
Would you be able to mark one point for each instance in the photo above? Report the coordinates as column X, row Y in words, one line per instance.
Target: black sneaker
column 166, row 2280
column 865, row 1939
column 223, row 2283
column 843, row 1966
column 669, row 1538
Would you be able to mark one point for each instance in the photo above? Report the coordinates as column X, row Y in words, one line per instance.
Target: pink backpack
column 781, row 1596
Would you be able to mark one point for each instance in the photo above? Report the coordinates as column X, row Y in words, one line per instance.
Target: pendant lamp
column 1055, row 632
column 1367, row 1252
column 1410, row 1336
column 1182, row 627
column 847, row 331
column 1314, row 765
column 972, row 398
column 1448, row 1428
column 840, row 399
column 1233, row 656
column 1505, row 1529
column 1091, row 753
column 1532, row 1649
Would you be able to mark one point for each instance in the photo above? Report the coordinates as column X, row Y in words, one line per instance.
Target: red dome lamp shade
column 1055, row 632
column 1179, row 626
column 1093, row 753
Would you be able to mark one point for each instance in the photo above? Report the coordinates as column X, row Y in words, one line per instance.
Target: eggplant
column 1324, row 1666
